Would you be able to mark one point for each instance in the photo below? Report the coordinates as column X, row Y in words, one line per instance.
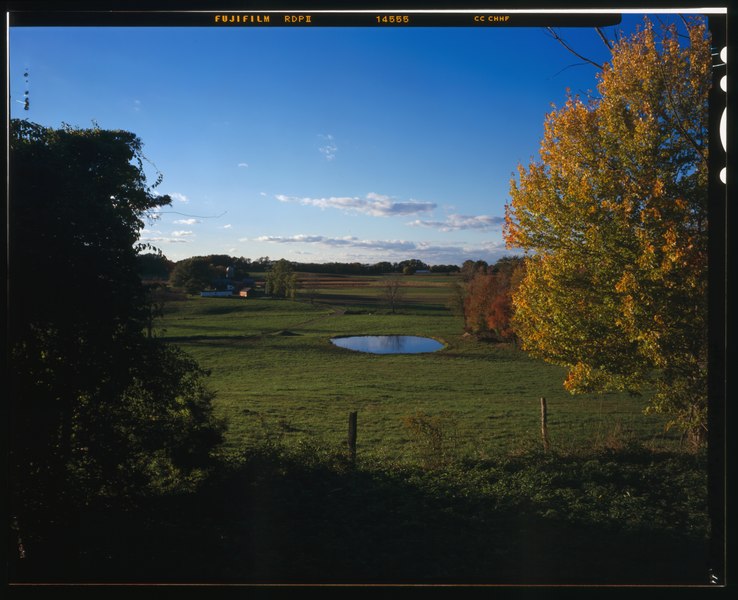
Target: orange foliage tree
column 488, row 306
column 613, row 219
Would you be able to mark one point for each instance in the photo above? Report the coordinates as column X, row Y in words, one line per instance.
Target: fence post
column 544, row 426
column 352, row 436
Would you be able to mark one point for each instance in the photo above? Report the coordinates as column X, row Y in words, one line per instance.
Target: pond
column 388, row 344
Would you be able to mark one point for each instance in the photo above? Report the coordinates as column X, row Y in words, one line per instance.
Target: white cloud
column 179, row 197
column 461, row 222
column 310, row 239
column 227, row 226
column 329, row 148
column 342, row 242
column 355, row 249
column 243, row 165
column 159, row 239
column 187, row 221
column 180, row 234
column 376, row 205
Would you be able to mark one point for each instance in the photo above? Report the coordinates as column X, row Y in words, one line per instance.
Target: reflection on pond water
column 388, row 344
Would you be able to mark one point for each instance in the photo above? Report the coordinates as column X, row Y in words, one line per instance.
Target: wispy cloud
column 162, row 239
column 243, row 165
column 461, row 222
column 329, row 147
column 342, row 242
column 347, row 242
column 227, row 226
column 181, row 234
column 373, row 204
column 187, row 221
column 281, row 239
column 353, row 248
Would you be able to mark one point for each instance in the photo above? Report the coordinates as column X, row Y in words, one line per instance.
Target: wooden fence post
column 544, row 426
column 352, row 436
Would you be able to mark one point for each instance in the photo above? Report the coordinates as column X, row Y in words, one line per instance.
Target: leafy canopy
column 96, row 407
column 281, row 279
column 613, row 218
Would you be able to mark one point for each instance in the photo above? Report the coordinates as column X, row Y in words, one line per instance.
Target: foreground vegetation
column 303, row 515
column 96, row 408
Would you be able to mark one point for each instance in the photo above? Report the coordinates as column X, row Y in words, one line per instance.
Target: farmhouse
column 217, row 293
column 225, row 287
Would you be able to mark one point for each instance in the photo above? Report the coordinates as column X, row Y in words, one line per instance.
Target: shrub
column 432, row 436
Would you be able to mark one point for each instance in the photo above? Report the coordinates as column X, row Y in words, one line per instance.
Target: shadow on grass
column 276, row 518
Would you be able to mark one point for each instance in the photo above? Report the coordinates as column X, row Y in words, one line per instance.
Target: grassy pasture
column 450, row 484
column 279, row 379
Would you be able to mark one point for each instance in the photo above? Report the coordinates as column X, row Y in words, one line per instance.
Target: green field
column 279, row 379
column 451, row 483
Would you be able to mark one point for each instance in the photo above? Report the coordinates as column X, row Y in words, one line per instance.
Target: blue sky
column 315, row 144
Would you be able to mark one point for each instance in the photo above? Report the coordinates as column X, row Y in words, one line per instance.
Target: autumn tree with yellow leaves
column 613, row 220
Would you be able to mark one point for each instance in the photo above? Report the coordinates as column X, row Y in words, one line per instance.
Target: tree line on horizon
column 155, row 265
column 482, row 294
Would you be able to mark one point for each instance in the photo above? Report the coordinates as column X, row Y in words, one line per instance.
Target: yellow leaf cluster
column 613, row 219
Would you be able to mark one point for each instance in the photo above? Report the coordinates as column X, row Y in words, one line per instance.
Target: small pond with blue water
column 388, row 344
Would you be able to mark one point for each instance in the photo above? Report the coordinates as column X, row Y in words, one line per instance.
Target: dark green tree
column 445, row 269
column 383, row 267
column 193, row 274
column 197, row 273
column 281, row 279
column 408, row 267
column 96, row 408
column 220, row 263
column 154, row 266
